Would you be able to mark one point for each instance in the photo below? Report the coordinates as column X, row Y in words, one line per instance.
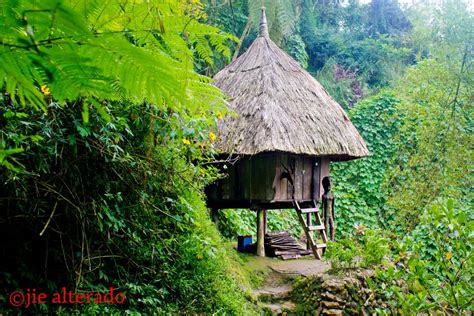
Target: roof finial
column 263, row 31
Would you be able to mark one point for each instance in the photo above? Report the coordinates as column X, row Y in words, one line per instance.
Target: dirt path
column 273, row 295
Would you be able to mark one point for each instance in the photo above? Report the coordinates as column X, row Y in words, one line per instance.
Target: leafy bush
column 375, row 246
column 434, row 270
column 442, row 262
column 244, row 222
column 343, row 254
column 130, row 221
column 433, row 144
column 366, row 250
column 111, row 196
column 233, row 223
column 358, row 185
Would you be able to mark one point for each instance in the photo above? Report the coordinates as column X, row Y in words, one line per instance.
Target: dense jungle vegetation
column 108, row 118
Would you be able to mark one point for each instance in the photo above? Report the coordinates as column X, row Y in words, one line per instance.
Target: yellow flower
column 220, row 116
column 449, row 255
column 186, row 141
column 45, row 90
column 212, row 136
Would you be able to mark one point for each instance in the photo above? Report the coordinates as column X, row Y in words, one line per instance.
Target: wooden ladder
column 309, row 228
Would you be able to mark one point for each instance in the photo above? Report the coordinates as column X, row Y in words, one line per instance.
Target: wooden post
column 265, row 226
column 308, row 223
column 261, row 233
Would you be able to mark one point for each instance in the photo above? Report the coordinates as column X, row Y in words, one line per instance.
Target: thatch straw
column 281, row 107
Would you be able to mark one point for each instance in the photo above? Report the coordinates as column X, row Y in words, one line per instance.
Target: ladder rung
column 321, row 246
column 309, row 210
column 317, row 227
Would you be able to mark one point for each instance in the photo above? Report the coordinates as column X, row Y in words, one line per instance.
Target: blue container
column 243, row 242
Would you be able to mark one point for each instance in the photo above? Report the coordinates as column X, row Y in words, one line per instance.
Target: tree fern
column 51, row 43
column 108, row 50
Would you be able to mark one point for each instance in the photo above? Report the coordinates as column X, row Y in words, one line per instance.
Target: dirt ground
column 305, row 266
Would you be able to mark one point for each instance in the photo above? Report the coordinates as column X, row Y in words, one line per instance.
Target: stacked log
column 284, row 246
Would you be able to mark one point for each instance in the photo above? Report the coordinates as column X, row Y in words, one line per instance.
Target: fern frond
column 106, row 50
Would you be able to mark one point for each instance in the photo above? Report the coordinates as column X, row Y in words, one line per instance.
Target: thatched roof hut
column 286, row 131
column 281, row 108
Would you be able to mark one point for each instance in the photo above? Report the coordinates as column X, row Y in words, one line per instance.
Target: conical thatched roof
column 281, row 107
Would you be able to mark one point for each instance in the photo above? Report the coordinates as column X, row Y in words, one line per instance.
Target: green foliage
column 141, row 222
column 428, row 271
column 419, row 136
column 435, row 264
column 375, row 246
column 296, row 48
column 302, row 292
column 360, row 198
column 442, row 262
column 340, row 35
column 320, row 33
column 233, row 223
column 343, row 85
column 281, row 17
column 386, row 17
column 104, row 185
column 378, row 62
column 342, row 254
column 436, row 103
column 89, row 52
column 136, row 65
column 280, row 220
column 365, row 250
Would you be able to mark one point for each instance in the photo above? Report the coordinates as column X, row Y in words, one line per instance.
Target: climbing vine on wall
column 358, row 184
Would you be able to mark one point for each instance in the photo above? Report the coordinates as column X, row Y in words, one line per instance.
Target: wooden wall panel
column 258, row 175
column 298, row 178
column 291, row 169
column 262, row 177
column 244, row 174
column 228, row 184
column 276, row 185
column 270, row 166
column 284, row 182
column 316, row 177
column 259, row 179
column 307, row 177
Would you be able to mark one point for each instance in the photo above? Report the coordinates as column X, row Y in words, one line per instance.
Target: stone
column 330, row 304
column 331, row 297
column 365, row 274
column 284, row 308
column 336, row 312
column 351, row 280
column 334, row 285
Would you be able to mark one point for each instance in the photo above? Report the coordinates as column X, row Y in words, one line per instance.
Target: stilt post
column 261, row 219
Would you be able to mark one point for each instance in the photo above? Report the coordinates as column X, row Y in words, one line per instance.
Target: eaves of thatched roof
column 281, row 107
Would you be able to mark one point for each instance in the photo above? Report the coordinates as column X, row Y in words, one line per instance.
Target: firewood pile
column 282, row 245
